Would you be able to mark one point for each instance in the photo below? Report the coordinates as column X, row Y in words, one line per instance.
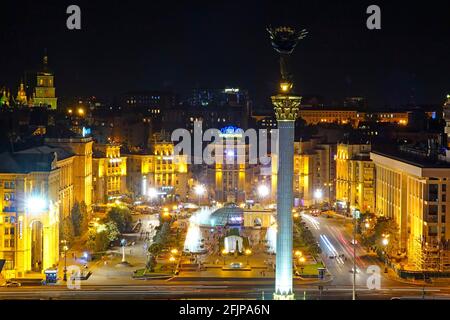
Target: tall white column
column 286, row 110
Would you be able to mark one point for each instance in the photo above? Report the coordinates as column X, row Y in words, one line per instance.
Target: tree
column 122, row 217
column 155, row 249
column 85, row 217
column 151, row 263
column 102, row 241
column 67, row 232
column 112, row 231
column 388, row 228
column 77, row 217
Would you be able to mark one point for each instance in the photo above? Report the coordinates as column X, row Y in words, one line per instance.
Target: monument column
column 286, row 106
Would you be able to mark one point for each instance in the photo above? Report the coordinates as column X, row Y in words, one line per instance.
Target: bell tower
column 44, row 93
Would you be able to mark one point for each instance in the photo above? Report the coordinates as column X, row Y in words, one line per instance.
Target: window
column 433, row 192
column 444, row 187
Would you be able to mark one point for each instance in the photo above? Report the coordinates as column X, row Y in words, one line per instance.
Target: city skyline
column 179, row 47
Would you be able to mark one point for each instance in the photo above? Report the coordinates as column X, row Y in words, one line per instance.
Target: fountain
column 193, row 242
column 271, row 238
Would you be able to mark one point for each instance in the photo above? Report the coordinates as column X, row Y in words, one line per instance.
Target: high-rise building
column 412, row 190
column 230, row 169
column 355, row 177
column 44, row 92
column 158, row 173
column 109, row 169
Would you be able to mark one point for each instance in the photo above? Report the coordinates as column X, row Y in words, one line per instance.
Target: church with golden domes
column 43, row 94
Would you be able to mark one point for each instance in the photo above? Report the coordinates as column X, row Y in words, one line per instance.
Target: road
column 335, row 239
column 194, row 290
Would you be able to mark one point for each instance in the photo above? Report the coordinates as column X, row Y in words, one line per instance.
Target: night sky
column 127, row 45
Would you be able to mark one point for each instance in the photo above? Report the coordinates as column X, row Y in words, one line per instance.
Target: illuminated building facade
column 29, row 212
column 313, row 116
column 44, row 92
column 161, row 171
column 64, row 162
column 109, row 172
column 314, row 172
column 413, row 192
column 81, row 147
column 355, row 177
column 230, row 171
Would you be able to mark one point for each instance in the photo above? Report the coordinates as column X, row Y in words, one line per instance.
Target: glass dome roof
column 229, row 214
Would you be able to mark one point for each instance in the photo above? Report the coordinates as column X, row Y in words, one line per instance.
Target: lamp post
column 385, row 242
column 65, row 248
column 318, row 195
column 123, row 242
column 263, row 192
column 301, row 261
column 224, row 253
column 248, row 252
column 172, row 261
column 199, row 191
column 356, row 215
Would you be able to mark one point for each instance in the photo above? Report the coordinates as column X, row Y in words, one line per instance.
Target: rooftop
column 410, row 158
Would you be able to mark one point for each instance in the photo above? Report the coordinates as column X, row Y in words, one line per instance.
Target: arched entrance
column 37, row 246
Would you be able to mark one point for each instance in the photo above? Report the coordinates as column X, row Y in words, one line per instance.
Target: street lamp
column 248, row 252
column 123, row 242
column 152, row 193
column 65, row 249
column 224, row 253
column 36, row 204
column 199, row 191
column 318, row 195
column 301, row 261
column 263, row 191
column 174, row 251
column 298, row 253
column 385, row 242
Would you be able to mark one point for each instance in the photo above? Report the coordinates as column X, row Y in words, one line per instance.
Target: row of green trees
column 76, row 223
column 304, row 238
column 163, row 239
column 118, row 220
column 373, row 230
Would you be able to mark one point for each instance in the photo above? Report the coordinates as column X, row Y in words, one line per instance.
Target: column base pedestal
column 277, row 296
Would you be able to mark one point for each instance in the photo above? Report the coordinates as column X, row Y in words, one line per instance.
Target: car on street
column 236, row 265
column 351, row 270
column 11, row 284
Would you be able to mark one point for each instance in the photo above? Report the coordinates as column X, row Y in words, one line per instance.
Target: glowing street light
column 298, row 253
column 65, row 249
column 199, row 191
column 80, row 111
column 263, row 191
column 36, row 204
column 174, row 251
column 385, row 241
column 318, row 194
column 248, row 252
column 224, row 254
